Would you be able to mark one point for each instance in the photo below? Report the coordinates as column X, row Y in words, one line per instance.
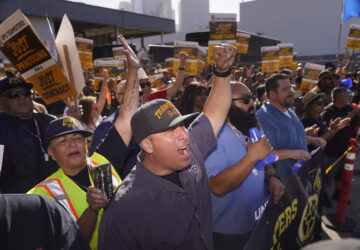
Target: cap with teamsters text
column 156, row 116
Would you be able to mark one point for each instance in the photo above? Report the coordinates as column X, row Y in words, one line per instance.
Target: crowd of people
column 184, row 174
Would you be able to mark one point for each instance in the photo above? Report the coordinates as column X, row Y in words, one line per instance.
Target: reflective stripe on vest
column 57, row 191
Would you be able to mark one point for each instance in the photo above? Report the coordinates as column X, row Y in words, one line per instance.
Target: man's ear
column 51, row 153
column 271, row 94
column 146, row 145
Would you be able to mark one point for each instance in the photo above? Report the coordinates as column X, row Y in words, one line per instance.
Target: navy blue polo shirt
column 150, row 212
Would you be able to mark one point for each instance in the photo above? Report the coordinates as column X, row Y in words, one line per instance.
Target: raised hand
column 132, row 60
column 224, row 57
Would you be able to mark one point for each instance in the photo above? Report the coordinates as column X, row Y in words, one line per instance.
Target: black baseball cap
column 156, row 116
column 11, row 82
column 62, row 126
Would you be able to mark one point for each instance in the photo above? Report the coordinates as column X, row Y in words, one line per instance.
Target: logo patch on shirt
column 195, row 169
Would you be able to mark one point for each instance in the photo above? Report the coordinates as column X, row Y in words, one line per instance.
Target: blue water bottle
column 254, row 136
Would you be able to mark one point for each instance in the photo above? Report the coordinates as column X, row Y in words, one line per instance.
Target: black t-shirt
column 173, row 177
column 37, row 222
column 114, row 149
column 338, row 144
column 82, row 179
column 322, row 124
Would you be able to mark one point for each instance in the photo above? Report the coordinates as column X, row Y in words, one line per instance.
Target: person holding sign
column 166, row 93
column 71, row 185
column 164, row 202
column 25, row 160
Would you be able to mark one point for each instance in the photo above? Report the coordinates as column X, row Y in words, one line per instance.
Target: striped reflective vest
column 66, row 192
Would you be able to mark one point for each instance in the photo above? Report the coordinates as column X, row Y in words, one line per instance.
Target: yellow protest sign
column 118, row 53
column 170, row 65
column 242, row 42
column 311, row 76
column 285, row 55
column 22, row 46
column 191, row 48
column 353, row 41
column 270, row 59
column 110, row 65
column 85, row 47
column 222, row 26
column 212, row 44
column 294, row 63
column 222, row 30
column 191, row 66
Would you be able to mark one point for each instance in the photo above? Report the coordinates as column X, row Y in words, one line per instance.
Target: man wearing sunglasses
column 25, row 161
column 327, row 82
column 166, row 93
column 238, row 188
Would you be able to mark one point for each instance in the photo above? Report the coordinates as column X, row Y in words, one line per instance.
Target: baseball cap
column 11, row 82
column 310, row 97
column 325, row 73
column 62, row 126
column 141, row 74
column 156, row 116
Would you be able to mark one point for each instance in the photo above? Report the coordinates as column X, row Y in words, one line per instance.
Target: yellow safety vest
column 65, row 191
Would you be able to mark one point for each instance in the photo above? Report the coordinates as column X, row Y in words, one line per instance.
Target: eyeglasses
column 245, row 99
column 13, row 94
column 143, row 84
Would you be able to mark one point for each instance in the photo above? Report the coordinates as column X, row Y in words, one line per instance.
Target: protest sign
column 85, row 48
column 285, row 55
column 294, row 63
column 242, row 42
column 222, row 30
column 20, row 43
column 270, row 59
column 110, row 65
column 170, row 65
column 65, row 37
column 353, row 41
column 290, row 224
column 311, row 76
column 120, row 56
column 118, row 53
column 193, row 50
column 222, row 26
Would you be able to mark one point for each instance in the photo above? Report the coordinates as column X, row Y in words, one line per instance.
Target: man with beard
column 238, row 188
column 283, row 128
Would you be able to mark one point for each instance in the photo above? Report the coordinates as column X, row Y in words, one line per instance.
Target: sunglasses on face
column 245, row 99
column 13, row 94
column 142, row 85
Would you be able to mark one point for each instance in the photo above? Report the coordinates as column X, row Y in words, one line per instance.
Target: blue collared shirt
column 284, row 133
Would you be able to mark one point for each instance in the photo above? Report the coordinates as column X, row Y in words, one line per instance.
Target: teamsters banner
column 22, row 46
column 290, row 224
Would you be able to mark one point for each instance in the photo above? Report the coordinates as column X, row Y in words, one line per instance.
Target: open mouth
column 184, row 150
column 75, row 153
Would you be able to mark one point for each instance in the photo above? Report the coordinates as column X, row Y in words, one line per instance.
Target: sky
column 216, row 6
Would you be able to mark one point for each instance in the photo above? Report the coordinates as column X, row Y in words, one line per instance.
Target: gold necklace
column 235, row 132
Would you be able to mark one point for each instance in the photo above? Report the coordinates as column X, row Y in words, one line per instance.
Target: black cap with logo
column 62, row 126
column 12, row 82
column 156, row 116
